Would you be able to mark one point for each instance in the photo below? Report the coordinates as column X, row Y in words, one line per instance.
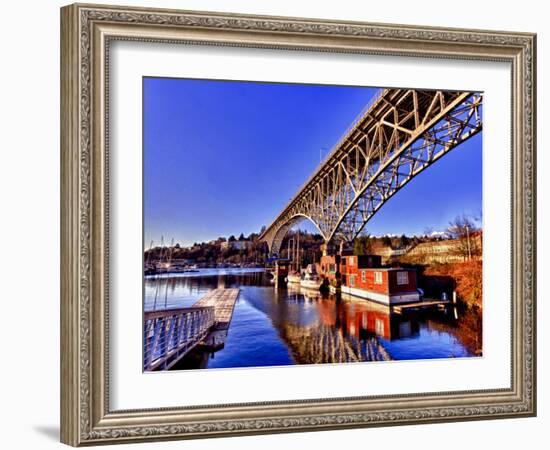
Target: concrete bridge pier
column 282, row 267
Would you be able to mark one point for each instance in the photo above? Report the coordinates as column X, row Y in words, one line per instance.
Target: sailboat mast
column 157, row 278
column 295, row 255
column 168, row 264
column 298, row 252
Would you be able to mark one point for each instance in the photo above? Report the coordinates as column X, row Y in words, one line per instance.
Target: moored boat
column 311, row 279
column 294, row 277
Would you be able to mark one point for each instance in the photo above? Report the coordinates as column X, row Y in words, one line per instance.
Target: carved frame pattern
column 85, row 415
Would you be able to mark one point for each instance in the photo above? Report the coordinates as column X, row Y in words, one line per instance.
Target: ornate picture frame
column 87, row 32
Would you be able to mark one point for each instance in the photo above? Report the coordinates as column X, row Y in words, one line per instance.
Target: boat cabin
column 363, row 276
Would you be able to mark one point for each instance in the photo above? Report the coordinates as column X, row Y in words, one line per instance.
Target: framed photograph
column 276, row 224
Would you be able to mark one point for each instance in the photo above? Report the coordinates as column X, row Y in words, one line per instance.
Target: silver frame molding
column 86, row 32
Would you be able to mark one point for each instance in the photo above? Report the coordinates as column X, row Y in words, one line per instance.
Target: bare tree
column 386, row 240
column 464, row 229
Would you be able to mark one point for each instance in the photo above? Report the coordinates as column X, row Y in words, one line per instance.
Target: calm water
column 290, row 325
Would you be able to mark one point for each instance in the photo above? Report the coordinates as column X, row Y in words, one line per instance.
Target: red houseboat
column 362, row 276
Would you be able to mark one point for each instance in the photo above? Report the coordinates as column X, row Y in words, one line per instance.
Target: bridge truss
column 403, row 133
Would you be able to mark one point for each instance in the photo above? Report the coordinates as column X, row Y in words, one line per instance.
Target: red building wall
column 410, row 286
column 348, row 267
column 388, row 283
column 326, row 262
column 369, row 283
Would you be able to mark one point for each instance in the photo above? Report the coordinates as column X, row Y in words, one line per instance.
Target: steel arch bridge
column 400, row 133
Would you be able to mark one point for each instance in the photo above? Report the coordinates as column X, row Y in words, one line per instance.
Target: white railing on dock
column 170, row 334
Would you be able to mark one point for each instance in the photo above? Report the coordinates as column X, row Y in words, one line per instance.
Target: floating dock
column 172, row 333
column 399, row 309
column 223, row 300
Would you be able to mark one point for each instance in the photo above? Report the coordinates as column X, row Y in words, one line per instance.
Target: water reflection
column 292, row 325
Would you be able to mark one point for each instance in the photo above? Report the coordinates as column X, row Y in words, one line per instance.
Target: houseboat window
column 363, row 276
column 402, row 278
column 343, row 261
column 352, row 280
column 351, row 260
column 332, row 268
column 378, row 277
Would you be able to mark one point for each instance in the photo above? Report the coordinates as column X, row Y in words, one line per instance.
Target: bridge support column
column 281, row 272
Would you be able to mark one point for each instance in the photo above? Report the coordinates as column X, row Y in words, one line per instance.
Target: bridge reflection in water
column 289, row 325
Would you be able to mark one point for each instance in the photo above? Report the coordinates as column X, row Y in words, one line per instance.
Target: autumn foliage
column 467, row 276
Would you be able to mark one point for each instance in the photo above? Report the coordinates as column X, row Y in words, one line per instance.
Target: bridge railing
column 170, row 334
column 377, row 95
column 345, row 135
column 355, row 121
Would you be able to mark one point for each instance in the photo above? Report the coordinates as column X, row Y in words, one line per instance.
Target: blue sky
column 222, row 158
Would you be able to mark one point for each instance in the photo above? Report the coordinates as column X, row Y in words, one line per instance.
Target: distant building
column 384, row 251
column 445, row 251
column 237, row 245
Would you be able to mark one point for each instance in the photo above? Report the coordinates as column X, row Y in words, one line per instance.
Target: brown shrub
column 468, row 277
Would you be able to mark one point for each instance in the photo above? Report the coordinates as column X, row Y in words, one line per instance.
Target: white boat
column 311, row 279
column 293, row 277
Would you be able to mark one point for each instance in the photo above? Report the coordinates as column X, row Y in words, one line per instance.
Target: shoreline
column 205, row 272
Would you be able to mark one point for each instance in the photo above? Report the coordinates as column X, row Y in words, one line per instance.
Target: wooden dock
column 170, row 334
column 399, row 309
column 223, row 300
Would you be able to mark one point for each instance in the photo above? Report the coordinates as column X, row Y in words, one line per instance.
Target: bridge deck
column 399, row 135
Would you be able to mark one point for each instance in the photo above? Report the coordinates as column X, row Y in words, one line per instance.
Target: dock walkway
column 427, row 303
column 172, row 333
column 223, row 300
